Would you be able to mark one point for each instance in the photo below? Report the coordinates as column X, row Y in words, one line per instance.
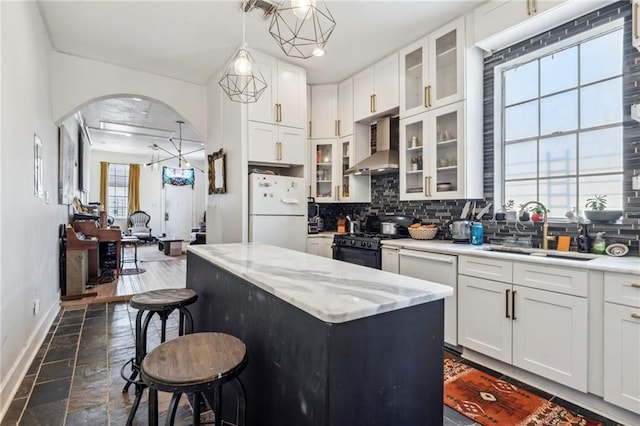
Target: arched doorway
column 125, row 130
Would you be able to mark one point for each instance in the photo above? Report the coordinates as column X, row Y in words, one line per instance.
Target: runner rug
column 490, row 401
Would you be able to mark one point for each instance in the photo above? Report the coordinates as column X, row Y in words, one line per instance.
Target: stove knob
column 353, row 242
column 362, row 243
column 369, row 244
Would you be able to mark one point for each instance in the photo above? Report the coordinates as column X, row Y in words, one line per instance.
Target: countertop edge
column 625, row 264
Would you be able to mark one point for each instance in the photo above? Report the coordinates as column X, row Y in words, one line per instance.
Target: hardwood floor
column 160, row 271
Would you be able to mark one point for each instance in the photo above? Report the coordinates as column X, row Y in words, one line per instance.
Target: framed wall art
column 38, row 191
column 217, row 182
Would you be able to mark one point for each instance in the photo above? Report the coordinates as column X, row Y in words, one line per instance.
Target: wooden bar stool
column 196, row 364
column 162, row 303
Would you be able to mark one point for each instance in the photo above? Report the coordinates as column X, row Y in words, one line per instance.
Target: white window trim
column 498, row 127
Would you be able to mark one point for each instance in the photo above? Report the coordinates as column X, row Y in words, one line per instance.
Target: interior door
column 178, row 211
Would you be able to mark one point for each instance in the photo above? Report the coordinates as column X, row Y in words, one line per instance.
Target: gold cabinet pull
column 339, row 128
column 335, row 127
column 635, row 285
column 636, row 316
column 370, row 103
column 309, row 130
column 338, row 191
column 279, row 113
column 426, row 91
column 427, row 186
column 375, row 103
column 429, row 92
column 310, row 194
column 636, row 23
column 535, row 10
column 528, row 8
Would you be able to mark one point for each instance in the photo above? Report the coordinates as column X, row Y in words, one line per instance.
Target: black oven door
column 370, row 258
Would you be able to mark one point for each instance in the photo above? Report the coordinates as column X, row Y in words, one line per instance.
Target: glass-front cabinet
column 432, row 154
column 432, row 70
column 324, row 170
column 331, row 158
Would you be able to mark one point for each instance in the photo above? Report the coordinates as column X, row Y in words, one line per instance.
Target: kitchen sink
column 541, row 253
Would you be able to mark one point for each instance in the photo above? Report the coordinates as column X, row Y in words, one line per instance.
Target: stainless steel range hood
column 384, row 160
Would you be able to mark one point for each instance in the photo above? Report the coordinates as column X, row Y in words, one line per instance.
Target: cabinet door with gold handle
column 370, row 103
column 528, row 7
column 427, row 186
column 375, row 103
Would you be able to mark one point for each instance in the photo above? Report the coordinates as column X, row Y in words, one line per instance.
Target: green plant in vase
column 538, row 214
column 504, row 210
column 598, row 212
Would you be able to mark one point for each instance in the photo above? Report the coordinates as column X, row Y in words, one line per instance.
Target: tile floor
column 75, row 377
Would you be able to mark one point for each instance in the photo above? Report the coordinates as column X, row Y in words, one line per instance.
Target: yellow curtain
column 134, row 187
column 104, row 185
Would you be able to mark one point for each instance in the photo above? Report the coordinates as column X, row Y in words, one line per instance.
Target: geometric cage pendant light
column 302, row 27
column 242, row 81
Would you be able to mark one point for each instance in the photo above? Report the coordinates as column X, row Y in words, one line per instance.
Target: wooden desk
column 77, row 261
column 90, row 229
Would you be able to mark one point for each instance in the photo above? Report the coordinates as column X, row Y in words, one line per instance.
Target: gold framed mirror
column 217, row 181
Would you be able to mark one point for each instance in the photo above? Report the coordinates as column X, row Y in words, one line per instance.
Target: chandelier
column 155, row 157
column 242, row 81
column 302, row 27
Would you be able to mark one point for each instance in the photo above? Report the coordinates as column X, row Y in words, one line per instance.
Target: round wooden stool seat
column 161, row 300
column 194, row 364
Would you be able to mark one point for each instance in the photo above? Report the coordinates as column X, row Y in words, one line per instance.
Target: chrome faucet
column 545, row 225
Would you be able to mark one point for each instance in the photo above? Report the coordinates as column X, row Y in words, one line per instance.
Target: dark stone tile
column 95, row 314
column 68, row 329
column 118, row 356
column 91, row 356
column 35, row 366
column 55, row 371
column 96, row 322
column 92, row 372
column 14, row 412
column 88, row 394
column 94, row 416
column 454, row 418
column 74, row 312
column 49, row 414
column 122, row 342
column 45, row 393
column 92, row 340
column 25, row 387
column 60, row 354
column 74, row 319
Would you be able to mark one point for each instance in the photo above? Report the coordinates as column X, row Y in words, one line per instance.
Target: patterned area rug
column 490, row 401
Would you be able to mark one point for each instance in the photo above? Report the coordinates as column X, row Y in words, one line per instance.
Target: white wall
column 150, row 187
column 94, row 80
column 28, row 225
column 227, row 213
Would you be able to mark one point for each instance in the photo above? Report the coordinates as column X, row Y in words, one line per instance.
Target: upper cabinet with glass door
column 432, row 70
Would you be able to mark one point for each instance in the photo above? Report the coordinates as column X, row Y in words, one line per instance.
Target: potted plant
column 598, row 212
column 506, row 208
column 524, row 217
column 538, row 214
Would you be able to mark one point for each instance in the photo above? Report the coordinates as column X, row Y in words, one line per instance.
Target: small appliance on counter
column 460, row 231
column 315, row 223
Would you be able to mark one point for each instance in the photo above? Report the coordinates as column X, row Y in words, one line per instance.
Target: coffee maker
column 315, row 223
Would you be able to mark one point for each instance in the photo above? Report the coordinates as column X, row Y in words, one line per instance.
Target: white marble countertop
column 331, row 290
column 625, row 264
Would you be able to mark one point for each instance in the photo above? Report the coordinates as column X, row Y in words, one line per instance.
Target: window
column 118, row 190
column 561, row 112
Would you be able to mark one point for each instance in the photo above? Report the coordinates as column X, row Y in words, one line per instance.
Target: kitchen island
column 329, row 342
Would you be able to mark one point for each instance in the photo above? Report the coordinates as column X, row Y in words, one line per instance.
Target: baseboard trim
column 586, row 400
column 11, row 382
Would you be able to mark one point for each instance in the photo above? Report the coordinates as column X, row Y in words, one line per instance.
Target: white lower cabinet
column 622, row 341
column 390, row 259
column 540, row 331
column 320, row 245
column 441, row 269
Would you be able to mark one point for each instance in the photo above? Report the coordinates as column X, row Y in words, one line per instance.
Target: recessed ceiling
column 192, row 40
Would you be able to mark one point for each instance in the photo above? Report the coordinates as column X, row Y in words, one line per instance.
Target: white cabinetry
column 324, row 111
column 330, row 158
column 502, row 316
column 432, row 70
column 390, row 259
column 501, row 23
column 622, row 340
column 345, row 107
column 320, row 245
column 441, row 269
column 375, row 90
column 284, row 100
column 276, row 144
column 635, row 21
column 436, row 162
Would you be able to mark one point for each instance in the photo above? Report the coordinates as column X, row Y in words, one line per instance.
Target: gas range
column 361, row 241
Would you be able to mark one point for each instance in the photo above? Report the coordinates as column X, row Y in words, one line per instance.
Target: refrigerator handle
column 290, row 200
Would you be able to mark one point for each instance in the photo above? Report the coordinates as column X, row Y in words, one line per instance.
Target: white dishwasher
column 439, row 268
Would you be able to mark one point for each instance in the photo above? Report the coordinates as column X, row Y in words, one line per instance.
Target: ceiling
column 192, row 40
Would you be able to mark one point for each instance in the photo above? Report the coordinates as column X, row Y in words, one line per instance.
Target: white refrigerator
column 277, row 211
